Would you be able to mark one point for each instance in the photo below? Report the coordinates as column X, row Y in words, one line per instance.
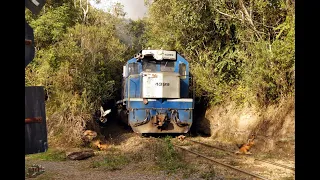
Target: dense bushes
column 78, row 63
column 239, row 50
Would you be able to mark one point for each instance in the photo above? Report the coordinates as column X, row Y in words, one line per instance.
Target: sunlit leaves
column 230, row 44
column 78, row 64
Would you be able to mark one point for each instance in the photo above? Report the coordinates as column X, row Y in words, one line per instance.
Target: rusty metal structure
column 35, row 116
column 35, row 120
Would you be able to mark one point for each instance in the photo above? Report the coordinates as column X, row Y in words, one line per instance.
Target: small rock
column 79, row 155
column 34, row 171
column 89, row 135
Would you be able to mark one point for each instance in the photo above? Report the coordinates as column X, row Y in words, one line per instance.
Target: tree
column 78, row 64
column 238, row 49
column 117, row 10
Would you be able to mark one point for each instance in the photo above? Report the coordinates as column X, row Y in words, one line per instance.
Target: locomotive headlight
column 145, row 101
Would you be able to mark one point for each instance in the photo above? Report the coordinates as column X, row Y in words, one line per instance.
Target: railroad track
column 235, row 157
column 223, row 164
column 231, row 153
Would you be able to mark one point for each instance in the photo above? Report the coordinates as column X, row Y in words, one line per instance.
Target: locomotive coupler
column 159, row 119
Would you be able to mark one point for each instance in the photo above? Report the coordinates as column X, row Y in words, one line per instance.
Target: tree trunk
column 85, row 11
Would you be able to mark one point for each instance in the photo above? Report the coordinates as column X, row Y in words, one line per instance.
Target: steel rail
column 231, row 153
column 226, row 165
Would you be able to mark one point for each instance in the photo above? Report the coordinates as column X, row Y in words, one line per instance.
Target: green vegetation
column 208, row 175
column 241, row 51
column 168, row 158
column 189, row 170
column 50, row 155
column 112, row 162
column 78, row 59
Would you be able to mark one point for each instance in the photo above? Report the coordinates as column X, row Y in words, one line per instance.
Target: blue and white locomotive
column 156, row 94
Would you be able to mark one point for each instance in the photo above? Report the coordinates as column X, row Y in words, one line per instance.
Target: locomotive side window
column 183, row 71
column 149, row 66
column 133, row 68
column 167, row 66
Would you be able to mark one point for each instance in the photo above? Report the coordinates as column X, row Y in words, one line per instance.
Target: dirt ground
column 135, row 158
column 77, row 170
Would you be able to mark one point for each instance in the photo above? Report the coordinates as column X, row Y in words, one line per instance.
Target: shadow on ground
column 201, row 125
column 116, row 132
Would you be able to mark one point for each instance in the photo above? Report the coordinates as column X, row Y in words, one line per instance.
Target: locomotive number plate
column 162, row 84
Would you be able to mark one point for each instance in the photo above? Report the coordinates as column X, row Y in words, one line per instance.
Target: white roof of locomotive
column 160, row 54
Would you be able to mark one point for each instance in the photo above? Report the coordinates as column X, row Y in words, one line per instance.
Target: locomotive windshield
column 167, row 66
column 149, row 66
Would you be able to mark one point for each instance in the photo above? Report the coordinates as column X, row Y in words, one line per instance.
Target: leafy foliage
column 239, row 50
column 78, row 63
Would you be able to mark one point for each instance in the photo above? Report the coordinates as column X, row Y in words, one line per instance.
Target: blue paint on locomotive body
column 178, row 109
column 162, row 106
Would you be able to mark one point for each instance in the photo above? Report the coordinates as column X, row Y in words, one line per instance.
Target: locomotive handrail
column 128, row 90
column 194, row 90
